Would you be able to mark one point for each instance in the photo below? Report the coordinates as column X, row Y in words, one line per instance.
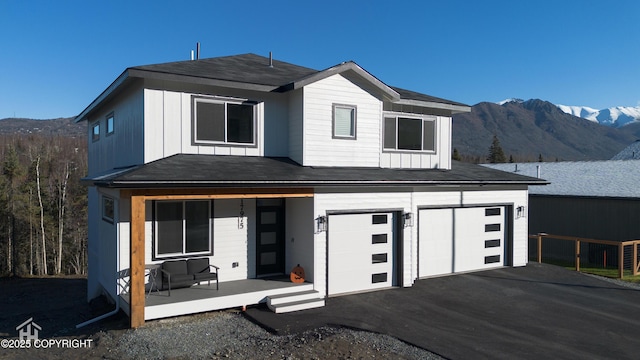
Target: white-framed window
column 224, row 121
column 110, row 124
column 95, row 131
column 183, row 228
column 344, row 121
column 409, row 132
column 108, row 209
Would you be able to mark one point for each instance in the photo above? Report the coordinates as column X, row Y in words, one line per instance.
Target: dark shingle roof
column 187, row 170
column 245, row 68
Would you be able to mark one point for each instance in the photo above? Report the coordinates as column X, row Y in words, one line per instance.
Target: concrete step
column 301, row 300
column 291, row 297
column 296, row 305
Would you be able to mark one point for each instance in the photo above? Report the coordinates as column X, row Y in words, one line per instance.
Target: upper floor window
column 224, row 121
column 344, row 121
column 110, row 128
column 409, row 133
column 95, row 131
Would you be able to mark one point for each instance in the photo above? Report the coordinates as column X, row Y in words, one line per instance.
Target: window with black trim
column 183, row 228
column 108, row 209
column 95, row 131
column 218, row 121
column 409, row 133
column 344, row 121
column 110, row 124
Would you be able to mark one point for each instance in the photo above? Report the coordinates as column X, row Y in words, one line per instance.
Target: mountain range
column 614, row 116
column 533, row 128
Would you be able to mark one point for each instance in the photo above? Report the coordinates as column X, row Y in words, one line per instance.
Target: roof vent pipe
column 198, row 50
column 538, row 171
column 270, row 59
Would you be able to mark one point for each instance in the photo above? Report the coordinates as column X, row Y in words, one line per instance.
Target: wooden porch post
column 621, row 260
column 137, row 261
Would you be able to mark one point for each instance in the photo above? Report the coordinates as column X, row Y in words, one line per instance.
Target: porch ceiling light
column 407, row 219
column 321, row 224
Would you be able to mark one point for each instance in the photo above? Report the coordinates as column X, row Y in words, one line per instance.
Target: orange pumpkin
column 297, row 274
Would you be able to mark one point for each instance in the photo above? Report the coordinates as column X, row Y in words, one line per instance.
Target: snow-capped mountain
column 614, row 117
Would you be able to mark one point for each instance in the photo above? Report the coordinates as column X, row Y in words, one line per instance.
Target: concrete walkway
column 535, row 312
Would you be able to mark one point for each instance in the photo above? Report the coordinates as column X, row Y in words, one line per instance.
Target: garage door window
column 379, row 238
column 491, row 243
column 379, row 219
column 379, row 278
column 492, row 259
column 378, row 258
column 491, row 227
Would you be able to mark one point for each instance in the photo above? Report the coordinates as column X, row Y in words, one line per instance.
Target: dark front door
column 270, row 237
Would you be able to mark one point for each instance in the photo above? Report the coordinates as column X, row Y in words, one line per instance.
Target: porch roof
column 205, row 171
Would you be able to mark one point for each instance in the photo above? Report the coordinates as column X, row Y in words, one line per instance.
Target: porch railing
column 621, row 245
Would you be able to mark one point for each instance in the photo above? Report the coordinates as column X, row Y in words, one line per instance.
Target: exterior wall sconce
column 520, row 212
column 407, row 219
column 321, row 224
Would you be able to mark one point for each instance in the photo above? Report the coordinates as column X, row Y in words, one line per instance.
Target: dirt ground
column 58, row 304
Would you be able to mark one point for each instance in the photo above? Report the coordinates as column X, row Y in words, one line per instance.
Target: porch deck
column 202, row 298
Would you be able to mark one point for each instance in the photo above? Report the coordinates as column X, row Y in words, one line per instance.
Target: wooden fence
column 620, row 245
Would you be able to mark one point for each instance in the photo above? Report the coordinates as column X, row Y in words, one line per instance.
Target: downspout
column 117, row 299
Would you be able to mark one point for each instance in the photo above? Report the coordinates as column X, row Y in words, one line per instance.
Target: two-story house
column 261, row 165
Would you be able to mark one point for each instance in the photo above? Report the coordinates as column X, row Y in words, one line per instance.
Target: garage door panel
column 360, row 252
column 460, row 239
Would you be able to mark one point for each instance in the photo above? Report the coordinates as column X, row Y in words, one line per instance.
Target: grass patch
column 600, row 271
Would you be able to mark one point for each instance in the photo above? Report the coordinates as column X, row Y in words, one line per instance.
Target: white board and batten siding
column 320, row 147
column 169, row 128
column 124, row 147
column 440, row 159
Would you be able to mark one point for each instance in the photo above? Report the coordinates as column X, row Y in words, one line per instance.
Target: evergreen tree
column 511, row 159
column 496, row 155
column 456, row 155
column 540, row 159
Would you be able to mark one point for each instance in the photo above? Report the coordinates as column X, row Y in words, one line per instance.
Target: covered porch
column 144, row 305
column 232, row 294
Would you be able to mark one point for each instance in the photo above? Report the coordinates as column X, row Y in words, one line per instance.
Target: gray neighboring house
column 589, row 199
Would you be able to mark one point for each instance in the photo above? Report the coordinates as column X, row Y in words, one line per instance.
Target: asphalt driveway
column 534, row 312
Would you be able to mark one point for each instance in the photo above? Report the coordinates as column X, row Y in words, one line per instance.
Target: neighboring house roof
column 191, row 170
column 611, row 178
column 631, row 152
column 254, row 72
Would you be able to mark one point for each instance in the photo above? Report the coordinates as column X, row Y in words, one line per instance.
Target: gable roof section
column 631, row 152
column 611, row 178
column 205, row 171
column 253, row 72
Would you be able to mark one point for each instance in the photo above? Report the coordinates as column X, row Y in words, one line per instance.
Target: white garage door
column 460, row 239
column 360, row 252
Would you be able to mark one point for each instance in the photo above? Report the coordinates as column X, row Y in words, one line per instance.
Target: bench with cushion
column 184, row 273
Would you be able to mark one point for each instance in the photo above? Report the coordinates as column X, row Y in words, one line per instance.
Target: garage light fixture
column 520, row 212
column 407, row 219
column 321, row 224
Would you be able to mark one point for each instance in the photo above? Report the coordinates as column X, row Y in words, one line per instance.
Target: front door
column 270, row 237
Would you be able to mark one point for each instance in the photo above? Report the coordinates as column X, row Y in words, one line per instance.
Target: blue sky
column 57, row 56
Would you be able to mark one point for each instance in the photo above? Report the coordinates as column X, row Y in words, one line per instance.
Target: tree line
column 43, row 205
column 495, row 155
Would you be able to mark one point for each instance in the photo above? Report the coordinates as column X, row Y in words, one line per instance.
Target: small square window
column 95, row 131
column 108, row 209
column 110, row 124
column 344, row 121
